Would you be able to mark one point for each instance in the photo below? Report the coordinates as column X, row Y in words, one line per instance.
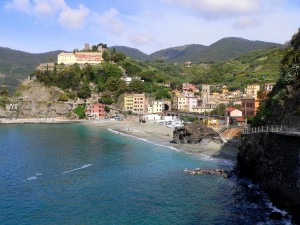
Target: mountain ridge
column 221, row 50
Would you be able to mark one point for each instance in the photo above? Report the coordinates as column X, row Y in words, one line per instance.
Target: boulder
column 194, row 133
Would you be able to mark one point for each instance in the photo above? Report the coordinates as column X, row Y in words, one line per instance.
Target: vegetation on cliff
column 283, row 104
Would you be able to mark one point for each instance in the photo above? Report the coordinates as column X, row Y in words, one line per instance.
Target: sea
column 79, row 174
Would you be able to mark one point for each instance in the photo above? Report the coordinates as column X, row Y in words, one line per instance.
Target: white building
column 156, row 107
column 80, row 58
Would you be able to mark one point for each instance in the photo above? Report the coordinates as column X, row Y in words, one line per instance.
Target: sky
column 37, row 26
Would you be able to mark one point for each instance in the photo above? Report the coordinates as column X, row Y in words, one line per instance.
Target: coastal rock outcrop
column 216, row 172
column 273, row 161
column 193, row 133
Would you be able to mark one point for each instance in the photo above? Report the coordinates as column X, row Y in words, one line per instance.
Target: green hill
column 16, row 65
column 220, row 51
column 131, row 52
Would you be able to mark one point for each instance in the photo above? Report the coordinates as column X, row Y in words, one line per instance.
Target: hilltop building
column 85, row 57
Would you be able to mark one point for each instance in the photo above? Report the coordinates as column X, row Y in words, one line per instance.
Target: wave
column 143, row 139
column 197, row 155
column 70, row 171
column 32, row 178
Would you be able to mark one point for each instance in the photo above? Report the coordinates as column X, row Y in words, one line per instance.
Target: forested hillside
column 16, row 65
column 220, row 51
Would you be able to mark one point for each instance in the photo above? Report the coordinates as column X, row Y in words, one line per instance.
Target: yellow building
column 179, row 102
column 134, row 103
column 252, row 89
column 80, row 58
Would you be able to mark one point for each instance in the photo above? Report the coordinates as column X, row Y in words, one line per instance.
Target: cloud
column 141, row 39
column 219, row 8
column 73, row 18
column 67, row 17
column 246, row 22
column 20, row 5
column 111, row 19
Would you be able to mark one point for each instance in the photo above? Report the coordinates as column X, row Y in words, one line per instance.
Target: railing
column 271, row 128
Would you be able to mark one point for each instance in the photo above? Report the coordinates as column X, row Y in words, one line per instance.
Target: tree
column 85, row 91
column 115, row 85
column 107, row 109
column 136, row 86
column 130, row 68
column 295, row 41
column 106, row 100
column 4, row 91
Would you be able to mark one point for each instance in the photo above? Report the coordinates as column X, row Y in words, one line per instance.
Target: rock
column 275, row 216
column 216, row 172
column 194, row 133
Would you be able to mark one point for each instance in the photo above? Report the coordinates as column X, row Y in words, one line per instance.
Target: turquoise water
column 76, row 174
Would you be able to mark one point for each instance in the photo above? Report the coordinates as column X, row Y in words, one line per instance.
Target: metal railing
column 271, row 128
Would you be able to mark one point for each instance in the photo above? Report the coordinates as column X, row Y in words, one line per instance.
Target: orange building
column 250, row 105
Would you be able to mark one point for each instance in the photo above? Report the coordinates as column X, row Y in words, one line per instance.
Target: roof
column 230, row 109
column 240, row 119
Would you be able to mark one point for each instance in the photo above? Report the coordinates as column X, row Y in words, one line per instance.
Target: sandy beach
column 163, row 135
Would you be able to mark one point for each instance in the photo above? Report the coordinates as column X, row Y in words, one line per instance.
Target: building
column 96, row 110
column 191, row 100
column 268, row 87
column 179, row 102
column 205, row 93
column 252, row 89
column 231, row 113
column 80, row 58
column 156, row 107
column 189, row 87
column 250, row 105
column 134, row 103
column 128, row 80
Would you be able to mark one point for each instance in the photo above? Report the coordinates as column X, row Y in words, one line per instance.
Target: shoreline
column 163, row 136
column 150, row 132
column 38, row 121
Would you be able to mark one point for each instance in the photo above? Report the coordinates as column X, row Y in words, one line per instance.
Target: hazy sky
column 149, row 25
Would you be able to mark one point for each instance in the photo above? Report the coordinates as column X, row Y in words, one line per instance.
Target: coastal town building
column 191, row 100
column 205, row 93
column 231, row 114
column 252, row 89
column 189, row 87
column 156, row 107
column 250, row 105
column 179, row 102
column 268, row 87
column 96, row 110
column 128, row 80
column 135, row 103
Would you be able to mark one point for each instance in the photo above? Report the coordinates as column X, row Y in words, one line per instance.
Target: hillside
column 131, row 52
column 16, row 65
column 220, row 51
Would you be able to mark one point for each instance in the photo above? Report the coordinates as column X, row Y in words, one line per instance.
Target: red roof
column 230, row 109
column 240, row 119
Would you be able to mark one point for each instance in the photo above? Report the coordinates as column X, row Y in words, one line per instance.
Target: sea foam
column 70, row 171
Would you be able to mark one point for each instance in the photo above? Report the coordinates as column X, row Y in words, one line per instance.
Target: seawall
column 273, row 161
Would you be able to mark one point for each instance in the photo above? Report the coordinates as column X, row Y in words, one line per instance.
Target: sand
column 163, row 135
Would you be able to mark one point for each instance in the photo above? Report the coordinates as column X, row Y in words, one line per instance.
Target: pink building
column 189, row 87
column 232, row 113
column 96, row 110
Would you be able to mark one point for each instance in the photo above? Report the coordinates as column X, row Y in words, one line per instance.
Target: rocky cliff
column 39, row 101
column 273, row 161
